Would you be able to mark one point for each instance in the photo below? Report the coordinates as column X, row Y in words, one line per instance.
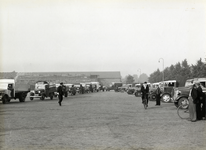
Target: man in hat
column 60, row 91
column 200, row 97
column 145, row 91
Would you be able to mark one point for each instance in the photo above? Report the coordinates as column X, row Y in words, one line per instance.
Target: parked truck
column 42, row 90
column 12, row 89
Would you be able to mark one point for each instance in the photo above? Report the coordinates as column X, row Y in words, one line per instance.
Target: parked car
column 181, row 94
column 167, row 90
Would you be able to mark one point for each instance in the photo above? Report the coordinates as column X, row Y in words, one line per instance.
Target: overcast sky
column 106, row 35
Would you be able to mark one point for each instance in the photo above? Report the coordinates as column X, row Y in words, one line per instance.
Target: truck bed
column 22, row 87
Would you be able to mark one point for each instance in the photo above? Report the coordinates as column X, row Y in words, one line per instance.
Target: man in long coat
column 145, row 91
column 60, row 91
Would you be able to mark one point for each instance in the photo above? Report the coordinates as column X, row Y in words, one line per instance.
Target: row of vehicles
column 13, row 89
column 170, row 92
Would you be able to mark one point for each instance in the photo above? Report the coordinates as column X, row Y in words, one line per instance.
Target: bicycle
column 145, row 103
column 183, row 111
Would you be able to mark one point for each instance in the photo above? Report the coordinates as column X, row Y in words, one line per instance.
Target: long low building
column 104, row 77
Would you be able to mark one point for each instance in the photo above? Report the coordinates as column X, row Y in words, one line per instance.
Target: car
column 181, row 94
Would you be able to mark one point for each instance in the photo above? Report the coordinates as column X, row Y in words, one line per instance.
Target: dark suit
column 199, row 103
column 158, row 97
column 145, row 92
column 60, row 96
column 192, row 104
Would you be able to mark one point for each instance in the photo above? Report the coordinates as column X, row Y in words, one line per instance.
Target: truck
column 12, row 89
column 42, row 90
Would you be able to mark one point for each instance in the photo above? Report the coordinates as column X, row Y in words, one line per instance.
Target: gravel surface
column 97, row 121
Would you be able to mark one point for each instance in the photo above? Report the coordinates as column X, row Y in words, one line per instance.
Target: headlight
column 178, row 92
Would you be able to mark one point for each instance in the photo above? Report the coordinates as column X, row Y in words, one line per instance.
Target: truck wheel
column 22, row 97
column 166, row 98
column 5, row 99
column 31, row 94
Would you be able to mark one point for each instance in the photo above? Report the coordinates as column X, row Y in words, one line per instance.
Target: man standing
column 200, row 96
column 60, row 91
column 158, row 97
column 192, row 103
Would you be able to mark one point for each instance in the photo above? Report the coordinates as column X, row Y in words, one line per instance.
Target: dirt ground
column 97, row 121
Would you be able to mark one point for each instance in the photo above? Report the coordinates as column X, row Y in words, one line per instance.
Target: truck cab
column 10, row 89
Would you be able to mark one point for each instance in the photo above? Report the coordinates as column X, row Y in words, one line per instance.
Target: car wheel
column 184, row 102
column 42, row 97
column 166, row 98
column 31, row 98
column 152, row 97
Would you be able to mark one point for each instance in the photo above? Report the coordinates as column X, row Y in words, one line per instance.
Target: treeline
column 180, row 72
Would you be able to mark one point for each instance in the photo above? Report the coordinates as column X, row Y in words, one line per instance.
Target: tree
column 198, row 70
column 180, row 72
column 129, row 79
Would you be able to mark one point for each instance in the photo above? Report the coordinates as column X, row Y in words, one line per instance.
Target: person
column 73, row 90
column 81, row 89
column 192, row 103
column 60, row 91
column 91, row 88
column 145, row 91
column 158, row 97
column 199, row 108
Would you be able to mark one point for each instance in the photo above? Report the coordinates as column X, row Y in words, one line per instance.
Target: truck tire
column 22, row 97
column 5, row 99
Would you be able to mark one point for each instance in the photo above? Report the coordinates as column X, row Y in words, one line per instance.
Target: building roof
column 99, row 74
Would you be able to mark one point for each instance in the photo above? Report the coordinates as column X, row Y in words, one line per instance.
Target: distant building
column 105, row 78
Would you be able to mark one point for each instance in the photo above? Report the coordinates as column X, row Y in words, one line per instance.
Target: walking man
column 145, row 91
column 60, row 91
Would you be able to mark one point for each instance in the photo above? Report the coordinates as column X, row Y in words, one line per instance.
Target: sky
column 130, row 36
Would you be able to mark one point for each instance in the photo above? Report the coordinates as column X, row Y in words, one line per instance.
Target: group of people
column 197, row 103
column 145, row 93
